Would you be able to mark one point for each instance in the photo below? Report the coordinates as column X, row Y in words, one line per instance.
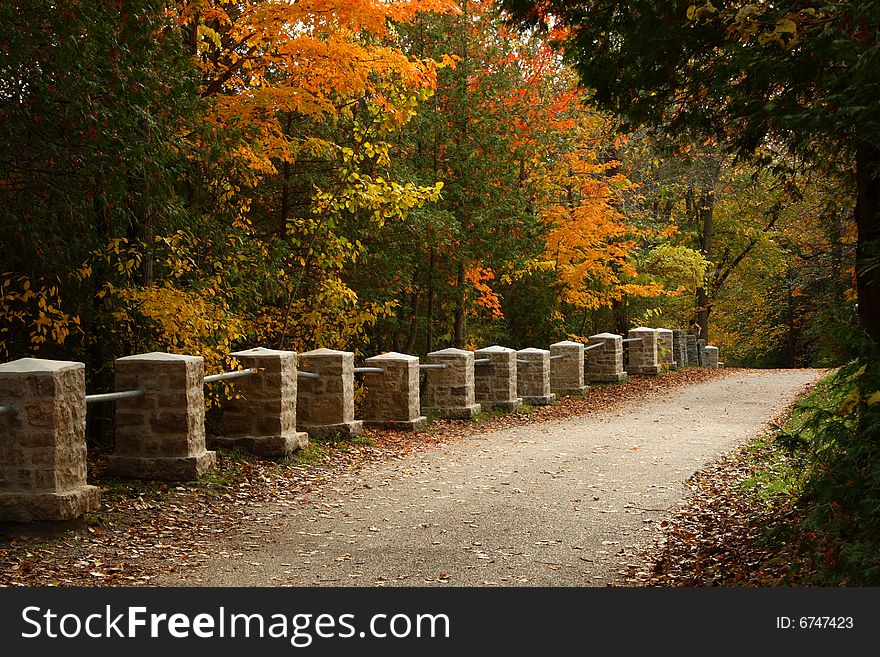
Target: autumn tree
column 801, row 75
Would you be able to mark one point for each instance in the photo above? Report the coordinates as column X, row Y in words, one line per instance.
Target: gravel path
column 561, row 503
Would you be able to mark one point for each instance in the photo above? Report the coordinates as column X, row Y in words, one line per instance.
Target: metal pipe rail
column 482, row 361
column 597, row 345
column 225, row 376
column 113, row 396
column 433, row 366
column 302, row 374
column 625, row 340
column 8, row 409
column 520, row 361
column 366, row 370
column 557, row 357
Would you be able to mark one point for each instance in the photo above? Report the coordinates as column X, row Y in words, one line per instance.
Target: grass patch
column 827, row 457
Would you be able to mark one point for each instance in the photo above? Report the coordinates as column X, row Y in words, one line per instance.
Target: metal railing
column 113, row 396
column 8, row 409
column 557, row 357
column 597, row 345
column 482, row 361
column 225, row 376
column 433, row 366
column 625, row 340
column 302, row 374
column 369, row 370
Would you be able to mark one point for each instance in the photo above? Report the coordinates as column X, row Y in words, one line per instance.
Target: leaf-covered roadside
column 144, row 529
column 789, row 508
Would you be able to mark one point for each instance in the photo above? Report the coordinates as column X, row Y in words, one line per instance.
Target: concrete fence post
column 665, row 349
column 533, row 377
column 643, row 352
column 43, row 445
column 710, row 357
column 567, row 369
column 325, row 405
column 701, row 345
column 606, row 362
column 679, row 349
column 260, row 417
column 392, row 400
column 495, row 380
column 449, row 392
column 692, row 358
column 162, row 434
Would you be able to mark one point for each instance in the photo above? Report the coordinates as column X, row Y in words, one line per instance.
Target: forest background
column 208, row 175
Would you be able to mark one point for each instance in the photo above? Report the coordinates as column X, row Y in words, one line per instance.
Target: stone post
column 606, row 362
column 692, row 359
column 392, row 400
column 710, row 357
column 43, row 445
column 701, row 345
column 495, row 381
column 567, row 369
column 665, row 349
column 449, row 392
column 643, row 353
column 679, row 349
column 162, row 434
column 261, row 417
column 325, row 406
column 533, row 377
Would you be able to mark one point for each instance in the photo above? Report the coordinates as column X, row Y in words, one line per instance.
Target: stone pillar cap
column 643, row 328
column 325, row 352
column 262, row 351
column 663, row 330
column 392, row 355
column 567, row 343
column 161, row 355
column 451, row 351
column 533, row 350
column 605, row 335
column 30, row 365
column 708, row 346
column 495, row 349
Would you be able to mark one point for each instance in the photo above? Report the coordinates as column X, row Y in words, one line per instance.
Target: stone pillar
column 392, row 400
column 606, row 363
column 643, row 353
column 162, row 434
column 495, row 381
column 567, row 369
column 701, row 344
column 679, row 349
column 449, row 392
column 692, row 359
column 325, row 406
column 533, row 377
column 43, row 445
column 710, row 357
column 665, row 349
column 261, row 417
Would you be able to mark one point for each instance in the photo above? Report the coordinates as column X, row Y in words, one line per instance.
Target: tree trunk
column 460, row 309
column 430, row 311
column 707, row 227
column 868, row 244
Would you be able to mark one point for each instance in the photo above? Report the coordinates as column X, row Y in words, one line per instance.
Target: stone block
column 642, row 351
column 163, row 436
column 710, row 357
column 679, row 349
column 605, row 364
column 495, row 381
column 567, row 369
column 701, row 345
column 325, row 406
column 533, row 377
column 261, row 416
column 692, row 359
column 449, row 392
column 392, row 400
column 665, row 349
column 43, row 446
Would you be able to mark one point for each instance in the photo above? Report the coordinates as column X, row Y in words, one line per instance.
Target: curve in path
column 560, row 503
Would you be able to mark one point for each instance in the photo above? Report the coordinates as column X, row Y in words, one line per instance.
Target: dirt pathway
column 560, row 503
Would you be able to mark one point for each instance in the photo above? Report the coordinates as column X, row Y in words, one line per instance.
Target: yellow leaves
column 695, row 13
column 34, row 308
